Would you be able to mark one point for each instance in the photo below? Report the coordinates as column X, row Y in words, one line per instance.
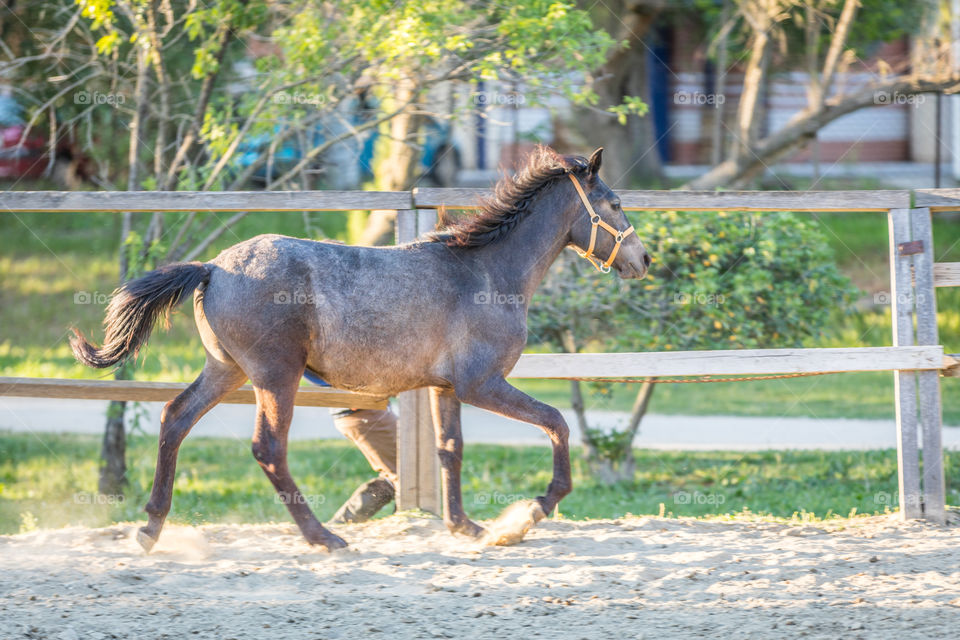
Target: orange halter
column 595, row 221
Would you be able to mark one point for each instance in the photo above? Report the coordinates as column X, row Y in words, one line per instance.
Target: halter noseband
column 595, row 221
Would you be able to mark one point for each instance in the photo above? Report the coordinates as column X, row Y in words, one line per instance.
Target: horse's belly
column 376, row 371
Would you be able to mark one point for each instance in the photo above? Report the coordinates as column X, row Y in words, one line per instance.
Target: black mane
column 510, row 202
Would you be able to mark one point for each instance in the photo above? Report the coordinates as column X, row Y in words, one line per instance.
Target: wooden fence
column 916, row 357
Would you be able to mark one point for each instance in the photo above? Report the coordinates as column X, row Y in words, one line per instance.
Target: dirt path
column 407, row 578
column 731, row 433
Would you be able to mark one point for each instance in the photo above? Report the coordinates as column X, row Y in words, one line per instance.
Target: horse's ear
column 593, row 166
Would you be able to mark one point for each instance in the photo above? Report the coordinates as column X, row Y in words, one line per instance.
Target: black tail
column 133, row 310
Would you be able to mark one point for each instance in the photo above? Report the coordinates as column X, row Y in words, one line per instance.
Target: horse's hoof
column 513, row 523
column 330, row 542
column 145, row 540
column 470, row 529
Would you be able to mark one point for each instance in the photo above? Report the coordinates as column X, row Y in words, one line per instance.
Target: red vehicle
column 27, row 160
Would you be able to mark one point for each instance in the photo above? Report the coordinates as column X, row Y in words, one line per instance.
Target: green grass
column 49, row 480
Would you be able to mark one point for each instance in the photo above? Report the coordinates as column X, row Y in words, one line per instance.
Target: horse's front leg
column 445, row 408
column 500, row 397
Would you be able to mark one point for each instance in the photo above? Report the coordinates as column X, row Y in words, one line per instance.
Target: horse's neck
column 522, row 258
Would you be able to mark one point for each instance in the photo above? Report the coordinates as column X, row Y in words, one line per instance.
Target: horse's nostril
column 646, row 259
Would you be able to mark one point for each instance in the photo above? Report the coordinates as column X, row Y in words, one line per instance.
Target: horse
column 447, row 311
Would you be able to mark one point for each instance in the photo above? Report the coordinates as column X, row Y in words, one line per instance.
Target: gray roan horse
column 380, row 320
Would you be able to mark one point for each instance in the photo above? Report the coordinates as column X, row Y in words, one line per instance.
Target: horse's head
column 601, row 232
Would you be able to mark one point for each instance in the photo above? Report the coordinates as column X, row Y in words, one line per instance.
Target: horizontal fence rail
column 840, row 201
column 937, row 199
column 597, row 366
column 178, row 201
column 946, row 274
column 427, row 198
column 137, row 391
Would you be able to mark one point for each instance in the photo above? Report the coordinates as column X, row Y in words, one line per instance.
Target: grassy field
column 56, row 271
column 50, row 481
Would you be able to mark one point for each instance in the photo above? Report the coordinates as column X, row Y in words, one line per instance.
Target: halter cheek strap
column 595, row 221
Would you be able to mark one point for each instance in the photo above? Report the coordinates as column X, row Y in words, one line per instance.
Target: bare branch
column 206, row 91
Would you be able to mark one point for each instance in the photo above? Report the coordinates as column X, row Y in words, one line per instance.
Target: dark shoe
column 365, row 502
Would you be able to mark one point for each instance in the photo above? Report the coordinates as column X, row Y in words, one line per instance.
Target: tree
column 719, row 281
column 163, row 72
column 629, row 141
column 833, row 33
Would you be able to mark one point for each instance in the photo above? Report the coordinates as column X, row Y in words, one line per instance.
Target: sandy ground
column 671, row 432
column 406, row 577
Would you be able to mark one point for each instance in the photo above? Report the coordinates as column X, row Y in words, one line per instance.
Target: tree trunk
column 748, row 113
column 113, row 451
column 398, row 170
column 630, row 151
column 609, row 457
column 576, row 403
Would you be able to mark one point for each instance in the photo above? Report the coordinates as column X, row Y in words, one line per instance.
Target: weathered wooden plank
column 418, row 468
column 951, row 365
column 905, row 381
column 408, row 493
column 428, row 462
column 946, row 274
column 937, row 199
column 571, row 366
column 429, row 495
column 462, row 198
column 138, row 391
column 106, row 201
column 405, row 230
column 426, row 221
column 931, row 413
column 430, row 198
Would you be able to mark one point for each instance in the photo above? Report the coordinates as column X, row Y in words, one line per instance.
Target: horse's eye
column 615, row 203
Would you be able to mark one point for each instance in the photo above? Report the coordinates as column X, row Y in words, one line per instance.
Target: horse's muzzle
column 634, row 270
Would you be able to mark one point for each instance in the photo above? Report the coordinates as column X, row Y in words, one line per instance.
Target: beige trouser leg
column 375, row 434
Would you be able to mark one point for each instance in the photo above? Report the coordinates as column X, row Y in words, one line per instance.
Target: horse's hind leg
column 274, row 413
column 179, row 415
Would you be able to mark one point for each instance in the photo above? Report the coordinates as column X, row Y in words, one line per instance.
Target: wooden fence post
column 917, row 393
column 417, row 463
column 905, row 382
column 931, row 415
